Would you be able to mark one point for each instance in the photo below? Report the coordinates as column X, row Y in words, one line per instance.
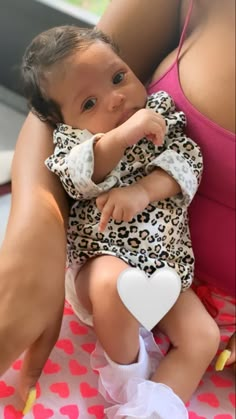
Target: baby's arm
column 176, row 172
column 109, row 150
column 122, row 204
column 181, row 158
column 73, row 162
column 88, row 165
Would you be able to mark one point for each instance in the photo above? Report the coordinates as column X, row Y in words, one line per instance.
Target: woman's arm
column 145, row 31
column 35, row 192
column 32, row 257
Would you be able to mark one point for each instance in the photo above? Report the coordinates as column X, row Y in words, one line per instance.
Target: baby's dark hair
column 46, row 49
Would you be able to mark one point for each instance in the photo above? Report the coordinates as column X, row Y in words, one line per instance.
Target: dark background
column 20, row 21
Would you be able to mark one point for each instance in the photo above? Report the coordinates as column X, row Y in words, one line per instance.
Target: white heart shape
column 149, row 298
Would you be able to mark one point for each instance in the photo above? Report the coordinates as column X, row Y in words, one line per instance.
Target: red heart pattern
column 51, row 367
column 209, row 398
column 78, row 329
column 76, row 368
column 68, row 386
column 17, row 365
column 88, row 347
column 62, row 389
column 232, row 398
column 88, row 391
column 97, row 411
column 72, row 411
column 40, row 412
column 5, row 390
column 221, row 382
column 68, row 311
column 11, row 413
column 66, row 345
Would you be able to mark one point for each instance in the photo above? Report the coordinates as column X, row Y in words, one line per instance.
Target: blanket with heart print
column 68, row 386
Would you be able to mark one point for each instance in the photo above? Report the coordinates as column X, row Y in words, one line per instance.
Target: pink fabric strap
column 187, row 18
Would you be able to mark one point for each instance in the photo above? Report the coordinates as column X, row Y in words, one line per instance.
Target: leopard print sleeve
column 73, row 162
column 181, row 157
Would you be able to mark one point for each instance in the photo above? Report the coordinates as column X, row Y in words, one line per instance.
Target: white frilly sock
column 113, row 377
column 128, row 389
column 148, row 400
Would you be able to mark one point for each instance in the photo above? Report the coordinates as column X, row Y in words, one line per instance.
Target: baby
column 125, row 160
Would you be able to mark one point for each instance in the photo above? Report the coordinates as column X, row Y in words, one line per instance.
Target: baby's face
column 95, row 89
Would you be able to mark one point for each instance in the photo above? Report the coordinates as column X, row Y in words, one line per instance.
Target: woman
column 32, row 258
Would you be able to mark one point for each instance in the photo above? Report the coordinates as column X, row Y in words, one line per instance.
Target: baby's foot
column 150, row 401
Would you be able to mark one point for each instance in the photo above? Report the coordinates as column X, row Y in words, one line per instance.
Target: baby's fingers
column 106, row 214
column 101, row 200
column 155, row 139
column 158, row 130
column 117, row 214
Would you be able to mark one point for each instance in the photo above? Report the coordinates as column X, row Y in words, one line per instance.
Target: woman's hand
column 32, row 258
column 32, row 301
column 228, row 356
column 231, row 347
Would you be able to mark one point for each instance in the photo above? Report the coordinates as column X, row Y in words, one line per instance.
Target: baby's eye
column 118, row 78
column 89, row 104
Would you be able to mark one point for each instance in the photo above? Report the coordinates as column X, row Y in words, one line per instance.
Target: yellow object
column 30, row 401
column 222, row 359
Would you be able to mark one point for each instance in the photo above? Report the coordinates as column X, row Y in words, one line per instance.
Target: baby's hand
column 144, row 123
column 121, row 204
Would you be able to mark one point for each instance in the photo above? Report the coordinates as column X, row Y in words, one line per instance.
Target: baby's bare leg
column 116, row 328
column 195, row 338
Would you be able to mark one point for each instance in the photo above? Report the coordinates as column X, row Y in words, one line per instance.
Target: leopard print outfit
column 157, row 237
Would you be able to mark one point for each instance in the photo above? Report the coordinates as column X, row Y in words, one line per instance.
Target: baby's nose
column 115, row 100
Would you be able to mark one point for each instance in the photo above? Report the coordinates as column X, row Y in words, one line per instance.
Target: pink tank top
column 212, row 212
